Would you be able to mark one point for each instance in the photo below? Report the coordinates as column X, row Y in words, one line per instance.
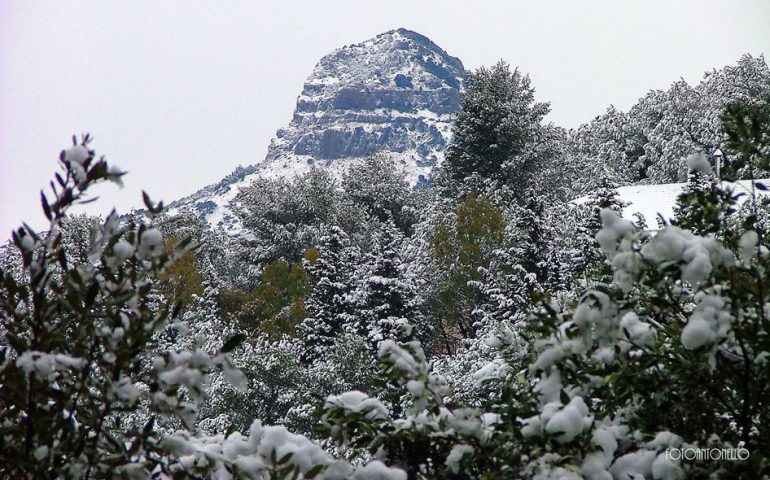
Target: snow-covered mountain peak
column 395, row 60
column 395, row 94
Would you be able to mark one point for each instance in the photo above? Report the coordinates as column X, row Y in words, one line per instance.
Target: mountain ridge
column 393, row 94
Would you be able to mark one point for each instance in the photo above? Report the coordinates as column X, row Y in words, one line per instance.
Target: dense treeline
column 482, row 327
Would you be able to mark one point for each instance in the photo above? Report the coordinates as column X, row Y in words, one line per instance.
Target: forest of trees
column 481, row 327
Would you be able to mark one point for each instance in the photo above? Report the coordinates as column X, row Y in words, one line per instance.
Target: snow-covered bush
column 672, row 354
column 81, row 358
column 77, row 323
column 423, row 436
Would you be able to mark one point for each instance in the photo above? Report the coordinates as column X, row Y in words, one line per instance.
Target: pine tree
column 76, row 235
column 499, row 117
column 686, row 119
column 528, row 238
column 284, row 218
column 588, row 258
column 518, row 268
column 609, row 146
column 380, row 186
column 703, row 206
column 388, row 303
column 330, row 303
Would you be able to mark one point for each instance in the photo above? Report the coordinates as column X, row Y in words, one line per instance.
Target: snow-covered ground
column 654, row 200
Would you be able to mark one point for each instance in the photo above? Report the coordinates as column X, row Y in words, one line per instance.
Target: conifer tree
column 528, row 237
column 380, row 187
column 388, row 303
column 518, row 267
column 499, row 117
column 588, row 258
column 703, row 206
column 330, row 303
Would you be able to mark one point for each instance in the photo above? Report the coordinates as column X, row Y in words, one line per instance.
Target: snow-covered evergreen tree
column 380, row 186
column 389, row 305
column 686, row 119
column 286, row 217
column 77, row 230
column 498, row 119
column 609, row 147
column 702, row 189
column 518, row 269
column 586, row 259
column 330, row 305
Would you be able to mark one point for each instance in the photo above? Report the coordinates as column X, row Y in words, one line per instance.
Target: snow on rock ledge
column 395, row 94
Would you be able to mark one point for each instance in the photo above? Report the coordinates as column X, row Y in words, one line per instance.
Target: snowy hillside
column 654, row 200
column 395, row 94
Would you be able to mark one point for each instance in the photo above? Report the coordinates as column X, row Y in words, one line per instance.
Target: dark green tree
column 499, row 118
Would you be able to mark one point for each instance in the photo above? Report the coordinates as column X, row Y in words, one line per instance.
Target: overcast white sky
column 180, row 92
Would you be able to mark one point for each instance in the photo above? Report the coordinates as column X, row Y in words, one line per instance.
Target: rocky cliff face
column 395, row 94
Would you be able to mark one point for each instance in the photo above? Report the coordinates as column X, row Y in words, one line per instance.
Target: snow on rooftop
column 651, row 200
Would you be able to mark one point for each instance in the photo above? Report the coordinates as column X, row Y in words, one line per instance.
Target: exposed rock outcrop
column 395, row 94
